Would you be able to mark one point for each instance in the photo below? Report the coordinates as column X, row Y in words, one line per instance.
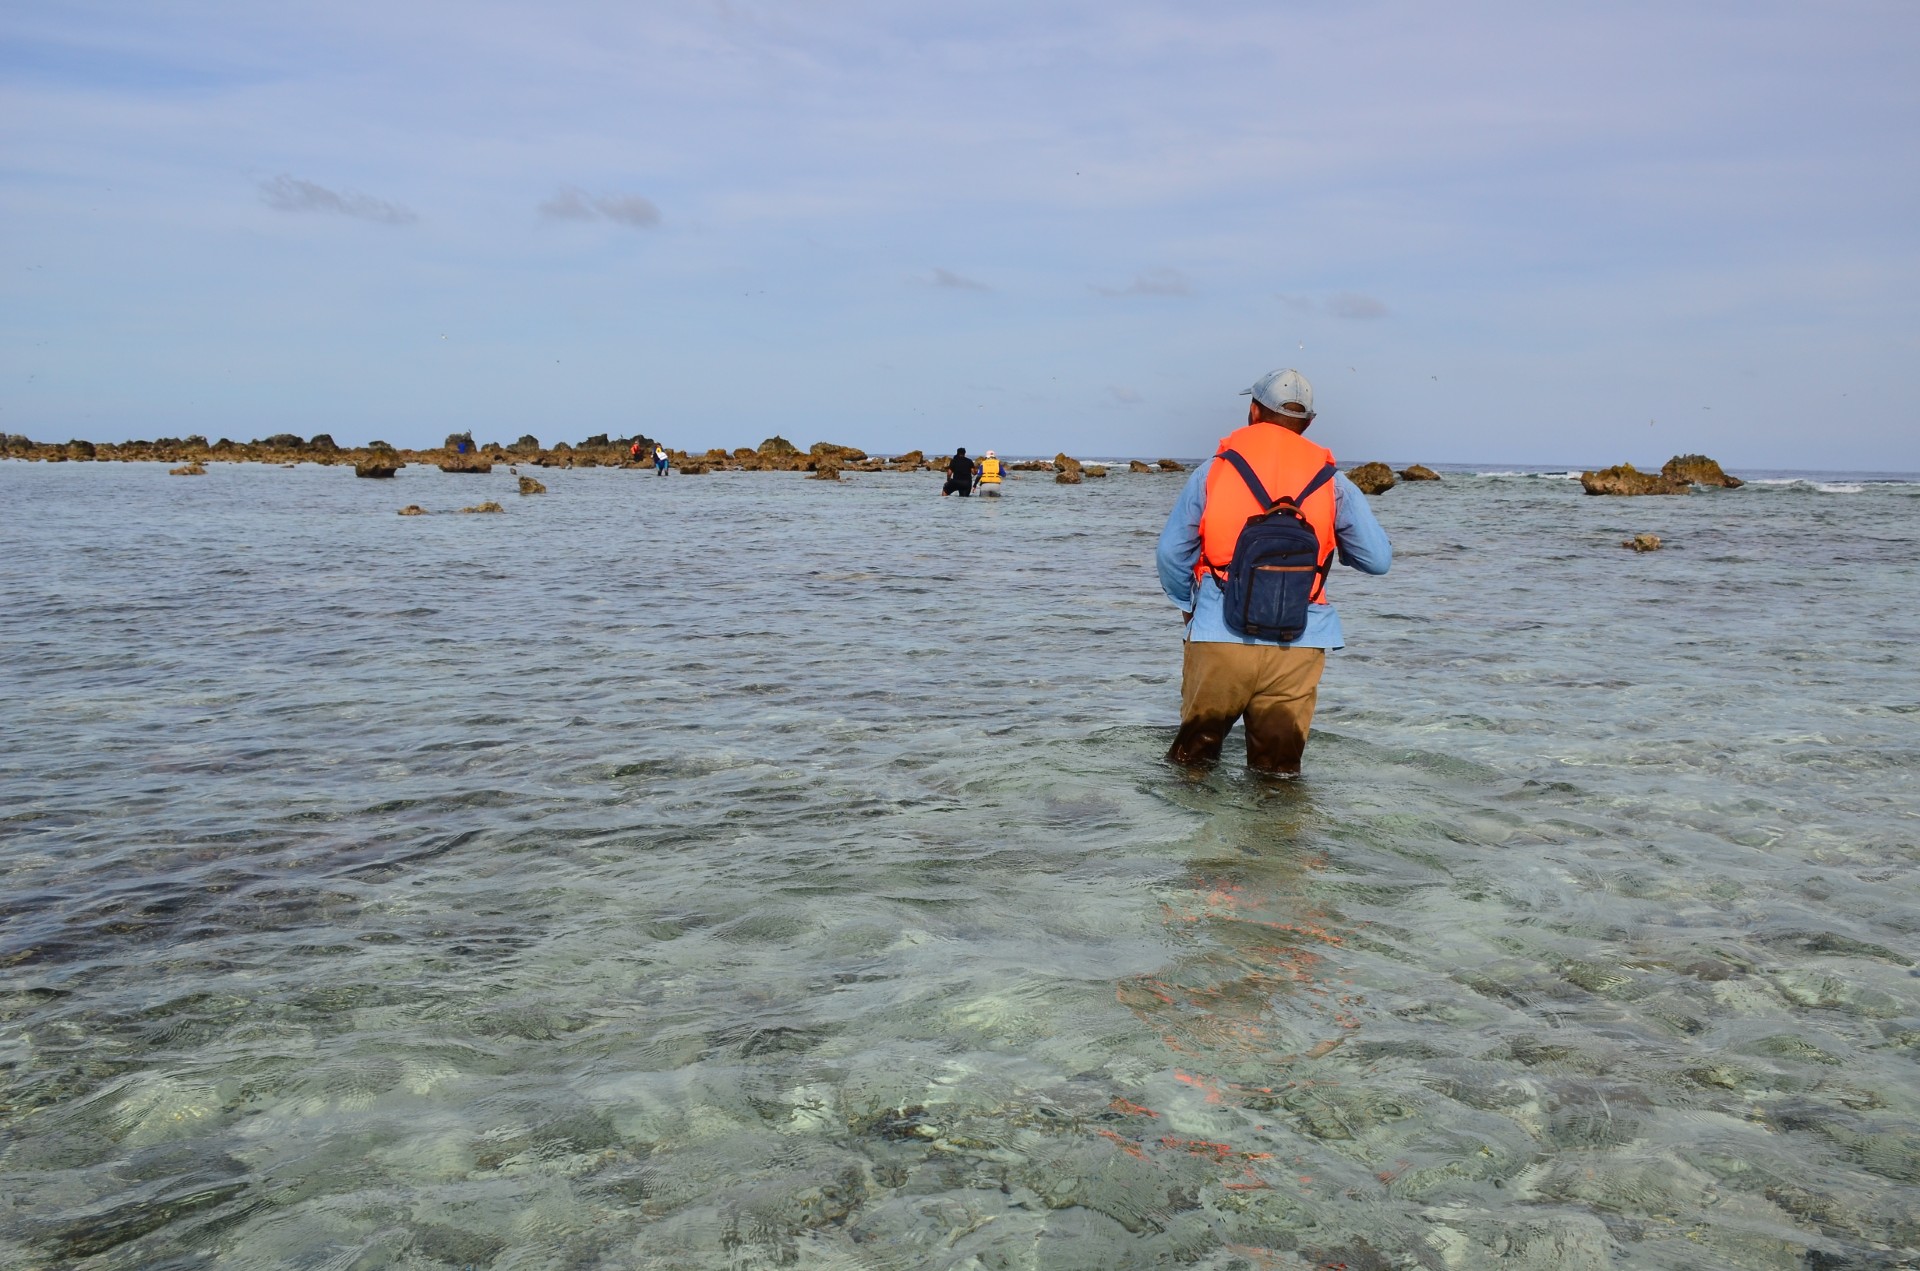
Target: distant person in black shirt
column 959, row 475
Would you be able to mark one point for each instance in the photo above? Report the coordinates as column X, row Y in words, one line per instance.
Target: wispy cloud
column 1124, row 395
column 1351, row 304
column 290, row 194
column 569, row 205
column 1155, row 282
column 947, row 278
column 1346, row 304
column 572, row 203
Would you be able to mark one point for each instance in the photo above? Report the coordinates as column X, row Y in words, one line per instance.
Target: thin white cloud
column 572, row 203
column 1124, row 395
column 290, row 194
column 569, row 205
column 947, row 278
column 629, row 209
column 1155, row 282
column 1351, row 304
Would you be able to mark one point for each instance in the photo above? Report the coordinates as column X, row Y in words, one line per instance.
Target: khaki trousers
column 1273, row 687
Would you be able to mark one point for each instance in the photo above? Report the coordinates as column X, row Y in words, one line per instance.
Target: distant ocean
column 1756, row 476
column 748, row 871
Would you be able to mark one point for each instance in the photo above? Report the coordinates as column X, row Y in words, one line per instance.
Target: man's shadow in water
column 1257, row 978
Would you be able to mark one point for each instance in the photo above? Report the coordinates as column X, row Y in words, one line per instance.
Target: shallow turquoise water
column 744, row 871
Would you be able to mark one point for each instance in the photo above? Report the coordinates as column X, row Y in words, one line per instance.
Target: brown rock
column 1068, row 476
column 825, row 468
column 1096, row 471
column 488, row 506
column 1170, row 465
column 470, row 462
column 1698, row 470
column 693, row 469
column 1624, row 478
column 413, row 509
column 1065, row 463
column 1419, row 472
column 778, row 445
column 1642, row 542
column 529, row 486
column 377, row 466
column 188, row 470
column 1134, row 465
column 911, row 459
column 1372, row 478
column 828, row 450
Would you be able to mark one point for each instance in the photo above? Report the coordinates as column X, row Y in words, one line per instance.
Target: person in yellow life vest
column 988, row 476
column 1227, row 674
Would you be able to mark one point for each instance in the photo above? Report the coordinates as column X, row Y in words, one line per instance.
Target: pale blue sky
column 1570, row 233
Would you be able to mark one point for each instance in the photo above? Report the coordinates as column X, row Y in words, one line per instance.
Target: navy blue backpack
column 1276, row 562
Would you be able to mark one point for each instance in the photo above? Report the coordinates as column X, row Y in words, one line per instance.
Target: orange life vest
column 1285, row 462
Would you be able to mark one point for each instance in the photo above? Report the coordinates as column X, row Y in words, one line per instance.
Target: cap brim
column 1246, row 392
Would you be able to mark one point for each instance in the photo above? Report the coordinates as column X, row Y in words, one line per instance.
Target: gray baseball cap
column 1285, row 391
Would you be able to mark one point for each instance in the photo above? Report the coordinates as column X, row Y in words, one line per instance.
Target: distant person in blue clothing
column 1227, row 675
column 660, row 460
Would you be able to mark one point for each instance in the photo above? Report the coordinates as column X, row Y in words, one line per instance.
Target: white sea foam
column 1804, row 483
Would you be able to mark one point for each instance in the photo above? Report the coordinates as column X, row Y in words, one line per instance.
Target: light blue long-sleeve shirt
column 1357, row 536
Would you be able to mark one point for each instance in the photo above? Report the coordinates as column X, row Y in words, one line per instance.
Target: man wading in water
column 1261, row 655
column 959, row 475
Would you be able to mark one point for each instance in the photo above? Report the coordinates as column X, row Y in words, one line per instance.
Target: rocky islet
column 461, row 454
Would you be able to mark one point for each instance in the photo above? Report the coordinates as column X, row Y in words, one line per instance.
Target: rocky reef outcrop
column 1372, row 478
column 463, row 454
column 1625, row 479
column 1698, row 470
column 1642, row 543
column 530, row 486
column 375, row 459
column 1419, row 472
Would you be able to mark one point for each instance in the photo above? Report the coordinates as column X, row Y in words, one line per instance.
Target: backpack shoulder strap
column 1248, row 475
column 1320, row 478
